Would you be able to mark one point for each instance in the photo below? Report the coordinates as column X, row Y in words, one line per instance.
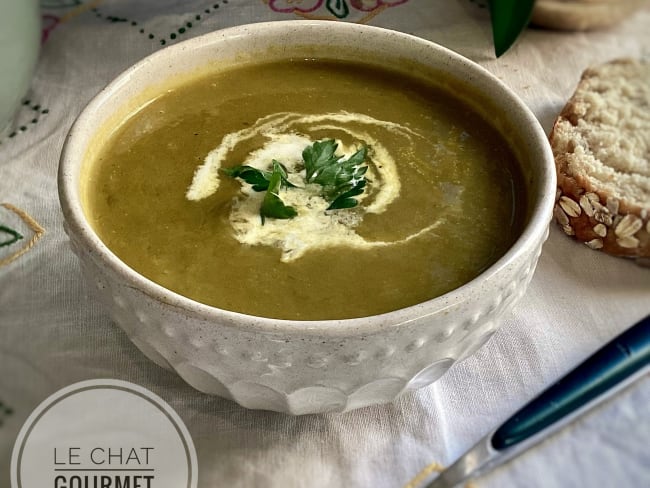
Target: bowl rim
column 74, row 149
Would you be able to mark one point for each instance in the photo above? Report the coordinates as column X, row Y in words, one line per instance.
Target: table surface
column 53, row 333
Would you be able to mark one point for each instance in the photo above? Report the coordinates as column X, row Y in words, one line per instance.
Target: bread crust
column 582, row 15
column 601, row 213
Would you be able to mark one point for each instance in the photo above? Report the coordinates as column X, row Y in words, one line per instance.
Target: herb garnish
column 258, row 178
column 341, row 180
column 272, row 205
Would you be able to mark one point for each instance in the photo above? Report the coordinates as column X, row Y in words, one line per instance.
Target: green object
column 272, row 205
column 341, row 180
column 509, row 19
column 13, row 236
column 619, row 359
column 257, row 178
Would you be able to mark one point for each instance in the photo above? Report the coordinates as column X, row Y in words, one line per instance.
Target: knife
column 509, row 18
column 610, row 369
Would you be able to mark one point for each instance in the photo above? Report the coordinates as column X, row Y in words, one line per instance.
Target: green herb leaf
column 256, row 177
column 345, row 200
column 284, row 175
column 253, row 176
column 272, row 205
column 341, row 180
column 318, row 156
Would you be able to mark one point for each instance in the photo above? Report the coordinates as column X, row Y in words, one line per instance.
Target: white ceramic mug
column 20, row 26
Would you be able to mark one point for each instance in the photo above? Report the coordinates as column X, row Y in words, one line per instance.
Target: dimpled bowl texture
column 303, row 367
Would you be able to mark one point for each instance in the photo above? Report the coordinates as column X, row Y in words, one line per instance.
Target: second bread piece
column 581, row 15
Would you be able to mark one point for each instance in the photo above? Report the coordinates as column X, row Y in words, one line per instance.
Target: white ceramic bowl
column 307, row 366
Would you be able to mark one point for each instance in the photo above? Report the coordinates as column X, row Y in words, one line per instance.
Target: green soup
column 443, row 198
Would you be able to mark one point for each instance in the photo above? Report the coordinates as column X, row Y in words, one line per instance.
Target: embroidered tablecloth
column 53, row 333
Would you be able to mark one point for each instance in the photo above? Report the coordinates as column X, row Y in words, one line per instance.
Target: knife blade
column 607, row 371
column 509, row 18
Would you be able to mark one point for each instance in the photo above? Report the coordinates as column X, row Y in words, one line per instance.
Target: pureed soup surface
column 442, row 199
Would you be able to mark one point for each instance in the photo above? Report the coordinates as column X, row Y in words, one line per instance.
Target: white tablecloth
column 52, row 333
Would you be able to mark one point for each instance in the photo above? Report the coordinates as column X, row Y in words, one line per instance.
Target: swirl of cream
column 314, row 227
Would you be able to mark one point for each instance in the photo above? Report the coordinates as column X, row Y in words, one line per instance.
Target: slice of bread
column 582, row 15
column 601, row 144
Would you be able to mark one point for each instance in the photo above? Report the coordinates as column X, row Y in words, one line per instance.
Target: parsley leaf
column 340, row 180
column 253, row 176
column 272, row 205
column 344, row 198
column 318, row 156
column 256, row 177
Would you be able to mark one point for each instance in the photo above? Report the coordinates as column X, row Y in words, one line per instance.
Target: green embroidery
column 338, row 8
column 172, row 35
column 14, row 237
column 38, row 111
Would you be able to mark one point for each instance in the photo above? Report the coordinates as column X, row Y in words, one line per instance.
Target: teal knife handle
column 617, row 360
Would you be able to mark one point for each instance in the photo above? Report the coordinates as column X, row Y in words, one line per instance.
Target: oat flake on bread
column 601, row 144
